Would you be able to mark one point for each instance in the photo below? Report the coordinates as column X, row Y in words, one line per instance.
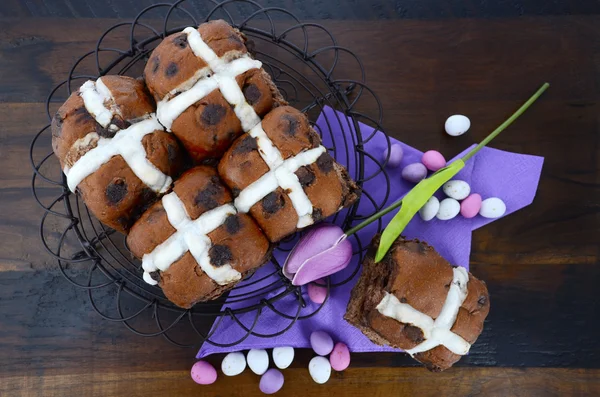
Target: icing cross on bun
column 415, row 300
column 194, row 243
column 208, row 88
column 112, row 148
column 283, row 176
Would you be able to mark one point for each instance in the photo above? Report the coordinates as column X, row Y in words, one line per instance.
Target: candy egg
column 340, row 357
column 396, row 154
column 233, row 364
column 458, row 190
column 433, row 160
column 271, row 382
column 470, row 206
column 319, row 369
column 321, row 343
column 317, row 293
column 414, row 172
column 457, row 125
column 203, row 373
column 258, row 361
column 283, row 356
column 492, row 208
column 449, row 208
column 430, row 209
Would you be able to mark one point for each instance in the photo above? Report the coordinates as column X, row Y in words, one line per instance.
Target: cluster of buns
column 201, row 163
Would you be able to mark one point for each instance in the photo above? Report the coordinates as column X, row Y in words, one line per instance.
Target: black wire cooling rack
column 311, row 70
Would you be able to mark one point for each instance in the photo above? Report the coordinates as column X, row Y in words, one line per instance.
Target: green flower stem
column 414, row 200
column 508, row 122
column 374, row 217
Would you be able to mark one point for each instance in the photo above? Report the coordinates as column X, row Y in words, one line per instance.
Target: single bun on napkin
column 282, row 175
column 113, row 150
column 208, row 88
column 194, row 244
column 415, row 300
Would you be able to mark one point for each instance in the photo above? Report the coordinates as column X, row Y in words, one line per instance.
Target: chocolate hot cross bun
column 113, row 150
column 415, row 300
column 283, row 176
column 208, row 88
column 194, row 244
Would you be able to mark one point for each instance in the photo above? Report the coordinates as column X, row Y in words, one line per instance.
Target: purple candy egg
column 203, row 373
column 396, row 153
column 414, row 172
column 340, row 357
column 317, row 293
column 271, row 381
column 433, row 160
column 469, row 208
column 321, row 343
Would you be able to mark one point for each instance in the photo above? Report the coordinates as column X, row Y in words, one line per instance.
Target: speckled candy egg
column 430, row 209
column 283, row 356
column 271, row 382
column 203, row 373
column 457, row 125
column 414, row 172
column 319, row 369
column 258, row 361
column 340, row 357
column 233, row 364
column 469, row 208
column 492, row 208
column 396, row 154
column 317, row 293
column 433, row 160
column 449, row 208
column 458, row 190
column 321, row 342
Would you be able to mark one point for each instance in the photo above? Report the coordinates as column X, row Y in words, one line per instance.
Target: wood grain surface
column 541, row 264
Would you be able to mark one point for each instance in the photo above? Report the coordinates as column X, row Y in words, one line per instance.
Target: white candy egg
column 458, row 190
column 449, row 208
column 430, row 209
column 283, row 356
column 319, row 369
column 233, row 364
column 492, row 208
column 258, row 361
column 457, row 125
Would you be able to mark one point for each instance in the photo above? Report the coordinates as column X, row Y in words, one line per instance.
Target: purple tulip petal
column 324, row 263
column 319, row 239
column 323, row 251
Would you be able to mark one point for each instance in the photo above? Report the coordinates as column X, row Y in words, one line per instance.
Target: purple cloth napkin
column 491, row 173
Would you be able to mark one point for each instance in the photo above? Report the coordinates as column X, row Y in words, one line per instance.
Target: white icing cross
column 281, row 176
column 282, row 173
column 223, row 78
column 191, row 235
column 96, row 96
column 128, row 144
column 435, row 332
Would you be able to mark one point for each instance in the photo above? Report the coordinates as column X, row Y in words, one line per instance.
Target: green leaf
column 412, row 203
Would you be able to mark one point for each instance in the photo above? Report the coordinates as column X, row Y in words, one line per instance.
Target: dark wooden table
column 425, row 62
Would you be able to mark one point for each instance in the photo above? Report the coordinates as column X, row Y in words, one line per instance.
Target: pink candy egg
column 414, row 172
column 396, row 154
column 470, row 206
column 321, row 343
column 271, row 381
column 317, row 293
column 433, row 160
column 340, row 357
column 203, row 373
